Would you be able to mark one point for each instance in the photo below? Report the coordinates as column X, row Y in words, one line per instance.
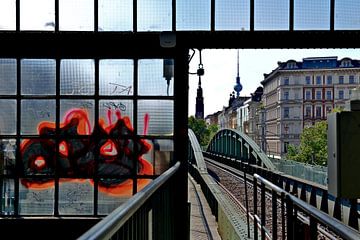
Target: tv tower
column 238, row 87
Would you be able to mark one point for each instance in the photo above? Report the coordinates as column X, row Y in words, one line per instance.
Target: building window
column 308, row 80
column 307, row 95
column 328, row 109
column 318, row 95
column 329, row 80
column 318, row 80
column 286, row 112
column 308, row 111
column 341, row 94
column 318, row 111
column 351, row 79
column 286, row 95
column 341, row 79
column 286, row 144
column 286, row 81
column 328, row 95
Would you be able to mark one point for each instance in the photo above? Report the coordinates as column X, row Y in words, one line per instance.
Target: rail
column 293, row 204
column 135, row 218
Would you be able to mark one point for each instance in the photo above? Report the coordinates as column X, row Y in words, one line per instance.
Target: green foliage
column 203, row 132
column 313, row 145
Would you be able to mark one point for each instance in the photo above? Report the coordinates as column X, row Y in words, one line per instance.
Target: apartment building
column 298, row 94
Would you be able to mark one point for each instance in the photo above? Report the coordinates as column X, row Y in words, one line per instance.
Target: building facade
column 298, row 94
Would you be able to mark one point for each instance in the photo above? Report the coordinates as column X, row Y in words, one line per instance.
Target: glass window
column 7, row 117
column 341, row 79
column 329, row 80
column 318, row 111
column 193, row 15
column 41, row 19
column 318, row 95
column 76, row 15
column 308, row 111
column 328, row 109
column 8, row 76
column 271, row 15
column 232, row 15
column 38, row 76
column 341, row 94
column 286, row 81
column 7, row 14
column 328, row 95
column 318, row 80
column 311, row 15
column 109, row 111
column 116, row 77
column 347, row 14
column 351, row 79
column 308, row 95
column 286, row 95
column 36, row 201
column 308, row 80
column 286, row 112
column 115, row 15
column 154, row 15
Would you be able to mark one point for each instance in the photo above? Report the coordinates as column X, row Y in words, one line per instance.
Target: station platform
column 202, row 223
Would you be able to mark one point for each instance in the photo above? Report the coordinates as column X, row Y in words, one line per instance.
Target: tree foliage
column 203, row 132
column 313, row 145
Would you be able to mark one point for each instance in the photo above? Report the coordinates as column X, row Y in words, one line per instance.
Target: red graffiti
column 119, row 153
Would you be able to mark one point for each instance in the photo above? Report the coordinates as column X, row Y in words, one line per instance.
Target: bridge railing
column 149, row 214
column 293, row 206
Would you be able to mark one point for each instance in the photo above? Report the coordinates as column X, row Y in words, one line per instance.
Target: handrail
column 110, row 224
column 336, row 226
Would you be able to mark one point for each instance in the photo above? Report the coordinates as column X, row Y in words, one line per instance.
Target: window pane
column 232, row 15
column 35, row 114
column 76, row 15
column 312, row 15
column 76, row 196
column 7, row 14
column 7, row 117
column 160, row 154
column 108, row 112
column 36, row 201
column 110, row 198
column 271, row 14
column 347, row 14
column 151, row 78
column 7, row 156
column 37, row 15
column 193, row 15
column 80, row 110
column 8, row 76
column 116, row 77
column 155, row 117
column 115, row 15
column 7, row 193
column 154, row 15
column 38, row 77
column 77, row 77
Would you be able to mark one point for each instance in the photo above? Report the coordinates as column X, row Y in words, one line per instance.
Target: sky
column 221, row 69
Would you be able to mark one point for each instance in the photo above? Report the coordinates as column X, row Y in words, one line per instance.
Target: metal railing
column 149, row 214
column 293, row 206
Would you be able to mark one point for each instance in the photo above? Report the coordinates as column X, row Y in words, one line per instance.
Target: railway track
column 233, row 183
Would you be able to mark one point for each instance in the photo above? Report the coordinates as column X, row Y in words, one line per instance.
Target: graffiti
column 113, row 105
column 112, row 154
column 118, row 88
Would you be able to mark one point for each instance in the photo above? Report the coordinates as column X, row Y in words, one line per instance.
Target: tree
column 313, row 145
column 203, row 132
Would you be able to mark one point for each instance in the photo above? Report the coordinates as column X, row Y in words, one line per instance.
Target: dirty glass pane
column 271, row 15
column 8, row 76
column 7, row 196
column 115, row 15
column 77, row 77
column 34, row 113
column 347, row 15
column 109, row 198
column 154, row 15
column 116, row 77
column 36, row 201
column 76, row 196
column 160, row 154
column 193, row 15
column 155, row 117
column 232, row 15
column 151, row 77
column 7, row 156
column 38, row 77
column 109, row 111
column 76, row 15
column 312, row 15
column 83, row 111
column 37, row 15
column 7, row 15
column 7, row 117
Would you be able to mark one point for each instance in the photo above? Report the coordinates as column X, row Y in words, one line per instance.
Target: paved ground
column 202, row 222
